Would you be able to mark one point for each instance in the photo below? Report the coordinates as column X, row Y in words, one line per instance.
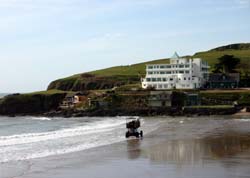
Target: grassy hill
column 120, row 75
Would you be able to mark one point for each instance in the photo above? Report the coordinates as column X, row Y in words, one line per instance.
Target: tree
column 244, row 70
column 227, row 64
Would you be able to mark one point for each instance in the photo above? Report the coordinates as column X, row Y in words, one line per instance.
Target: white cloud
column 224, row 5
column 243, row 3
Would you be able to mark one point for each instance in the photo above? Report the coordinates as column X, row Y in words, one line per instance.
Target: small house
column 97, row 103
column 72, row 99
column 173, row 99
column 192, row 99
column 223, row 81
column 160, row 99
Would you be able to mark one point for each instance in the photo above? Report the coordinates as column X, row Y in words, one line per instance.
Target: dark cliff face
column 30, row 104
column 91, row 82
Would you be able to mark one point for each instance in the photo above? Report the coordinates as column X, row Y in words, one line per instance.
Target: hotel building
column 181, row 73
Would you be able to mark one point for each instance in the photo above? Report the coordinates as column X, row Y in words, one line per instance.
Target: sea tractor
column 133, row 125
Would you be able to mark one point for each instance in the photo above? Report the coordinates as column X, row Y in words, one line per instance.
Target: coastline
column 48, row 105
column 146, row 112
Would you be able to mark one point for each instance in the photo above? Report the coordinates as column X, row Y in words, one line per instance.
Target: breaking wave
column 67, row 140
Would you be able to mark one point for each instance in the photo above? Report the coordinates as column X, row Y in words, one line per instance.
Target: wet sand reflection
column 133, row 148
column 197, row 150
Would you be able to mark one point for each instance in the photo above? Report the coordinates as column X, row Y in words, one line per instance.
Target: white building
column 181, row 73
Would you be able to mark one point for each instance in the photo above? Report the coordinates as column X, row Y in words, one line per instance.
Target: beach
column 172, row 147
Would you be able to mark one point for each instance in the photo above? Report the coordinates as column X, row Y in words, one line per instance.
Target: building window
column 150, row 67
column 171, row 79
column 184, row 78
column 153, row 79
column 148, row 79
column 187, row 72
column 164, row 79
column 158, row 79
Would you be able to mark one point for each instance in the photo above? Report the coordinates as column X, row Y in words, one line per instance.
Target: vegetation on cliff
column 226, row 97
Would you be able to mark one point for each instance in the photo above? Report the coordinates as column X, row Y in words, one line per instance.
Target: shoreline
column 147, row 112
column 243, row 112
column 122, row 104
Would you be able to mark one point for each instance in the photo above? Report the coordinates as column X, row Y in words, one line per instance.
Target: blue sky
column 43, row 40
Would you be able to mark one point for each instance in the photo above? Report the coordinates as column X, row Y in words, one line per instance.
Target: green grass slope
column 212, row 56
column 120, row 75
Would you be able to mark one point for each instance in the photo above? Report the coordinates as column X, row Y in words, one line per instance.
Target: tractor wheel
column 127, row 134
column 141, row 133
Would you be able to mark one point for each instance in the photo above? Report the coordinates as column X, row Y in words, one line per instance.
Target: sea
column 3, row 95
column 25, row 138
column 212, row 146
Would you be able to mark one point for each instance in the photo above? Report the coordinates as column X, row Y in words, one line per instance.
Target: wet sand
column 184, row 147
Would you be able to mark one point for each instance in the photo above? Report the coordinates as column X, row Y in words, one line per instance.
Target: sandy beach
column 179, row 147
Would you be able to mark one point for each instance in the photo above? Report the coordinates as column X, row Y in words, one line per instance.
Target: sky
column 43, row 40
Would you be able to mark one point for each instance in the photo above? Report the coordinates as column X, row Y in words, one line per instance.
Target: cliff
column 92, row 82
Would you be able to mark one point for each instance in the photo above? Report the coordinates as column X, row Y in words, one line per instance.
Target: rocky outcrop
column 143, row 112
column 209, row 111
column 30, row 104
